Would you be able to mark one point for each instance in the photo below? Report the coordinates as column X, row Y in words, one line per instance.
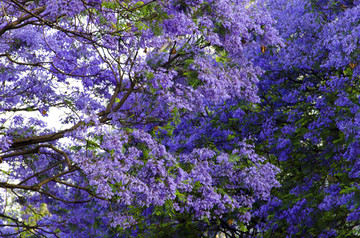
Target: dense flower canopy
column 179, row 118
column 310, row 117
column 116, row 74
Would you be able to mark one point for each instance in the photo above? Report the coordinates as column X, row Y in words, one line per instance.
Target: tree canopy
column 178, row 118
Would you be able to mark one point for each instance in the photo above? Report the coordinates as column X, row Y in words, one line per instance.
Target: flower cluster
column 123, row 78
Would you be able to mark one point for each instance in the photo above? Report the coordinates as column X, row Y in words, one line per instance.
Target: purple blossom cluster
column 124, row 77
column 179, row 118
column 309, row 101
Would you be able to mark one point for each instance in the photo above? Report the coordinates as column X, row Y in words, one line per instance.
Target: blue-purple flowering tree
column 123, row 78
column 308, row 120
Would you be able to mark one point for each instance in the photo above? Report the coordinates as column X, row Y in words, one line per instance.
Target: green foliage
column 32, row 216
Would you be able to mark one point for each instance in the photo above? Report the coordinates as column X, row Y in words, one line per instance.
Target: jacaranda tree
column 123, row 78
column 308, row 120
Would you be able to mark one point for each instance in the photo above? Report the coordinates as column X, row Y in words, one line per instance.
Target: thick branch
column 14, row 24
column 43, row 138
